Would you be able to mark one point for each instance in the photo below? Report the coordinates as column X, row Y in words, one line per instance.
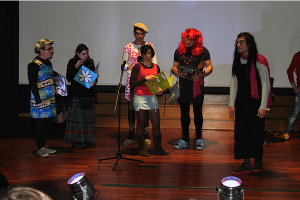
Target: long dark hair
column 144, row 49
column 250, row 41
column 79, row 49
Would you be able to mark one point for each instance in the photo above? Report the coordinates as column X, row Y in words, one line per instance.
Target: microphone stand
column 118, row 101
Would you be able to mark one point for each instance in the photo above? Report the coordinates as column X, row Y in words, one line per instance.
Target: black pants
column 42, row 130
column 185, row 119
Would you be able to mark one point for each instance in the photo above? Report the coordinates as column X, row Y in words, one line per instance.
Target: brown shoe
column 141, row 146
column 143, row 151
column 258, row 166
column 243, row 169
column 147, row 142
column 286, row 136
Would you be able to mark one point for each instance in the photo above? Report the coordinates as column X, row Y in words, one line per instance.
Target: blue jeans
column 294, row 114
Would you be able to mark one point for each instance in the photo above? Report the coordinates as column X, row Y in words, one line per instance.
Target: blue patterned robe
column 46, row 90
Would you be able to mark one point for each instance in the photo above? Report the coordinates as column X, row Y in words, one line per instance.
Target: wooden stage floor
column 186, row 174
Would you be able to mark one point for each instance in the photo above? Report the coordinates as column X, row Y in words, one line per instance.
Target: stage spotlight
column 231, row 188
column 81, row 187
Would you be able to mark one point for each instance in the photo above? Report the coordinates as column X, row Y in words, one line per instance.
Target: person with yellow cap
column 42, row 101
column 131, row 52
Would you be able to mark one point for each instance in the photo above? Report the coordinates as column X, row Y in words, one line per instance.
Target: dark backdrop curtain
column 9, row 81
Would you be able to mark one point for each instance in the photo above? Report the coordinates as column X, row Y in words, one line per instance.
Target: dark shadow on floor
column 265, row 173
column 123, row 136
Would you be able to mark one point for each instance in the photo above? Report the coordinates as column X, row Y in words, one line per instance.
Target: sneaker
column 258, row 166
column 286, row 136
column 127, row 142
column 181, row 144
column 42, row 152
column 50, row 151
column 147, row 142
column 199, row 144
column 243, row 169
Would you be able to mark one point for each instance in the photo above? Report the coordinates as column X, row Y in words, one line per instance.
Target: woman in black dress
column 249, row 99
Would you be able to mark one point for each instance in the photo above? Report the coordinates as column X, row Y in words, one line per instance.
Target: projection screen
column 106, row 26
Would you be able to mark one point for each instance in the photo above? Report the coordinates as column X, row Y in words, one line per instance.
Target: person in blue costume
column 42, row 100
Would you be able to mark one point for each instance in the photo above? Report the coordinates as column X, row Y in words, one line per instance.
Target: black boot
column 158, row 150
column 258, row 166
column 141, row 146
column 77, row 145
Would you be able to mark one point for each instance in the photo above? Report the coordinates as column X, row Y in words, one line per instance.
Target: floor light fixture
column 81, row 187
column 231, row 189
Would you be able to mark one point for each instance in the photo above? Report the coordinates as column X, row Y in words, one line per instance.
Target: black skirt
column 249, row 128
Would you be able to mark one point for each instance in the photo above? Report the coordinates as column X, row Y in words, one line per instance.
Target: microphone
column 123, row 65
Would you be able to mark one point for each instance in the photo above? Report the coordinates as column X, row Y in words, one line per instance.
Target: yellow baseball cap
column 41, row 43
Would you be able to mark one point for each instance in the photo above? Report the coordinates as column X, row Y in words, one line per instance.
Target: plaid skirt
column 81, row 123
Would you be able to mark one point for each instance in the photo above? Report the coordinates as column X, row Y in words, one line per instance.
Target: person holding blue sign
column 81, row 123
